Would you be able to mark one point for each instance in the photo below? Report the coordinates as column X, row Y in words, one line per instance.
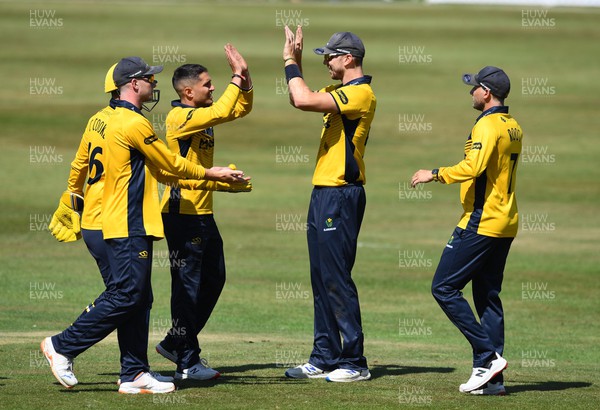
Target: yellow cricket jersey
column 345, row 134
column 89, row 163
column 488, row 175
column 190, row 133
column 130, row 205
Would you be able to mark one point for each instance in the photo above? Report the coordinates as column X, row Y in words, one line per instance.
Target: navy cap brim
column 324, row 51
column 155, row 69
column 469, row 79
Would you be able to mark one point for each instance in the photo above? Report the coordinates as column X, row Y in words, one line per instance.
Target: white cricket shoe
column 306, row 371
column 482, row 375
column 61, row 366
column 492, row 389
column 167, row 354
column 348, row 375
column 145, row 383
column 157, row 376
column 197, row 372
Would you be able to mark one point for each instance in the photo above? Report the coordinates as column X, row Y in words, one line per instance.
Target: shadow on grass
column 229, row 376
column 223, row 369
column 545, row 386
column 396, row 370
column 250, row 380
column 94, row 387
column 247, row 367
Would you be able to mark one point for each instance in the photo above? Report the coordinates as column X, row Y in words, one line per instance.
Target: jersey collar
column 178, row 103
column 494, row 110
column 365, row 79
column 126, row 105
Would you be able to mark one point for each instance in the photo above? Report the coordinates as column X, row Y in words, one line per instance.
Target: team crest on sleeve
column 342, row 95
column 188, row 117
column 149, row 140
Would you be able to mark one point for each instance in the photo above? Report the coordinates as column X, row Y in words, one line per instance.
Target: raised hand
column 236, row 61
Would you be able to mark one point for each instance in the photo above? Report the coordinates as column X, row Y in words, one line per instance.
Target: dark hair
column 186, row 72
column 358, row 61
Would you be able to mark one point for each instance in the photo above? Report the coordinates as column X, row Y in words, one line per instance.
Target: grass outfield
column 55, row 55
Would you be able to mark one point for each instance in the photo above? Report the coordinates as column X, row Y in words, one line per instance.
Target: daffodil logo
column 329, row 225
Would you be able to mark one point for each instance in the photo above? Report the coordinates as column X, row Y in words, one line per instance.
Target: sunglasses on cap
column 149, row 78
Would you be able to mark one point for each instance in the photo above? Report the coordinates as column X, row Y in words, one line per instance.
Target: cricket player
column 130, row 223
column 195, row 244
column 337, row 202
column 479, row 245
column 87, row 170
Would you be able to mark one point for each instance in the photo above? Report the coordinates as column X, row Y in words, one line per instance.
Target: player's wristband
column 238, row 76
column 435, row 172
column 292, row 71
column 288, row 59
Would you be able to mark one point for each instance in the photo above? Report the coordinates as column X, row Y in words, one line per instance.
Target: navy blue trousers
column 125, row 304
column 99, row 250
column 334, row 218
column 197, row 279
column 469, row 257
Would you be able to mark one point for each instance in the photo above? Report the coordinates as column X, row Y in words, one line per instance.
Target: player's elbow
column 246, row 110
column 300, row 103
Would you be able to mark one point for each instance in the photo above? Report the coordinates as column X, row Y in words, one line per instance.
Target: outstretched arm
column 301, row 96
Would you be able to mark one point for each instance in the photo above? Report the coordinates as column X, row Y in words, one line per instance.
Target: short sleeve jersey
column 131, row 198
column 87, row 169
column 345, row 134
column 488, row 175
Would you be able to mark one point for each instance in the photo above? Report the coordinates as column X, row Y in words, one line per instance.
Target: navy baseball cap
column 343, row 42
column 133, row 67
column 490, row 77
